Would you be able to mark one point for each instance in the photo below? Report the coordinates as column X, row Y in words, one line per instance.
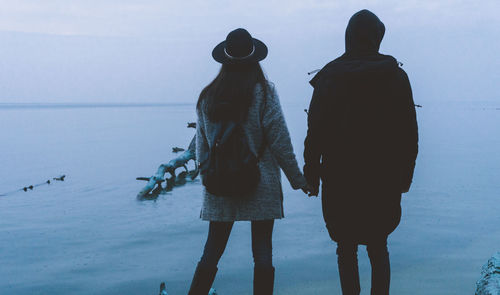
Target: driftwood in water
column 177, row 150
column 154, row 185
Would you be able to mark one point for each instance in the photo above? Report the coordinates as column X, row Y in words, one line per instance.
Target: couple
column 361, row 142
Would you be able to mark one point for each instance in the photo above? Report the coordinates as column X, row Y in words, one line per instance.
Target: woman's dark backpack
column 231, row 168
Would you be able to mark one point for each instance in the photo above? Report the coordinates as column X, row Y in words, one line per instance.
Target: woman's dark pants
column 347, row 253
column 218, row 235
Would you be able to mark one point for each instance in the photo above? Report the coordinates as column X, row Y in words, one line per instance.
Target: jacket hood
column 363, row 36
column 364, row 33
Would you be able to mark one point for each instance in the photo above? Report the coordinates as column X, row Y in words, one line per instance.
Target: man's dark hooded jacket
column 362, row 137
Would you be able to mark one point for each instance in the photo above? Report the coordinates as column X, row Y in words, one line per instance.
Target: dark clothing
column 347, row 253
column 362, row 136
column 218, row 235
column 363, row 34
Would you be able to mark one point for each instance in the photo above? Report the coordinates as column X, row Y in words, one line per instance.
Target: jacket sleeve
column 202, row 148
column 408, row 133
column 278, row 140
column 312, row 143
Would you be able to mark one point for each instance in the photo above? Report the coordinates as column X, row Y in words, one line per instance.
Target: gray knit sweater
column 267, row 200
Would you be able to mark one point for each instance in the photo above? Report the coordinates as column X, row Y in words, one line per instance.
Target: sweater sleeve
column 202, row 148
column 278, row 140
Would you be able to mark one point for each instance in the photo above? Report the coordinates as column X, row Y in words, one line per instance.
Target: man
column 362, row 141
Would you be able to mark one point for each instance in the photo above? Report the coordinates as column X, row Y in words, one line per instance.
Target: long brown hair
column 229, row 96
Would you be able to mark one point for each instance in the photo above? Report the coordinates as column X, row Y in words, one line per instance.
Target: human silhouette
column 362, row 142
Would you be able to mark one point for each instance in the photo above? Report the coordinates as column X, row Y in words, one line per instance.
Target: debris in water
column 154, row 186
column 26, row 188
column 163, row 289
column 177, row 149
column 60, row 178
column 32, row 186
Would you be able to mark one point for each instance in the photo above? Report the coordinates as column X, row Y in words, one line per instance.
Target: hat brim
column 259, row 54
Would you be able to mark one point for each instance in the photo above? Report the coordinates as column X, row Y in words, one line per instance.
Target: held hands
column 308, row 190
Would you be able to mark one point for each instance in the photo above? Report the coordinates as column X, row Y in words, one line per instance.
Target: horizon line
column 27, row 105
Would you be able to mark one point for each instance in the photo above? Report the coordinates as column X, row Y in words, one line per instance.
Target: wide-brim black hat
column 239, row 48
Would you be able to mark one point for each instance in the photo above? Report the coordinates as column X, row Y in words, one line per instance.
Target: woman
column 240, row 92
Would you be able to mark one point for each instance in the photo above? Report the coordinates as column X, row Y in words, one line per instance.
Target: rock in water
column 212, row 292
column 489, row 284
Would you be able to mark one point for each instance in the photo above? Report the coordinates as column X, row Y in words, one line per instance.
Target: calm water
column 90, row 235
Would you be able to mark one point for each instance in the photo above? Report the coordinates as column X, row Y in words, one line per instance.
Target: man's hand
column 313, row 192
column 308, row 190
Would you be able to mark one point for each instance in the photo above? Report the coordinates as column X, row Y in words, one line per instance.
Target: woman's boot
column 202, row 280
column 263, row 280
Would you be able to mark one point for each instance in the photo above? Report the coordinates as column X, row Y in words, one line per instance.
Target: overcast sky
column 160, row 51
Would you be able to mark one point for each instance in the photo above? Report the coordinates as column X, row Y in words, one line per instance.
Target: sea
column 90, row 234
